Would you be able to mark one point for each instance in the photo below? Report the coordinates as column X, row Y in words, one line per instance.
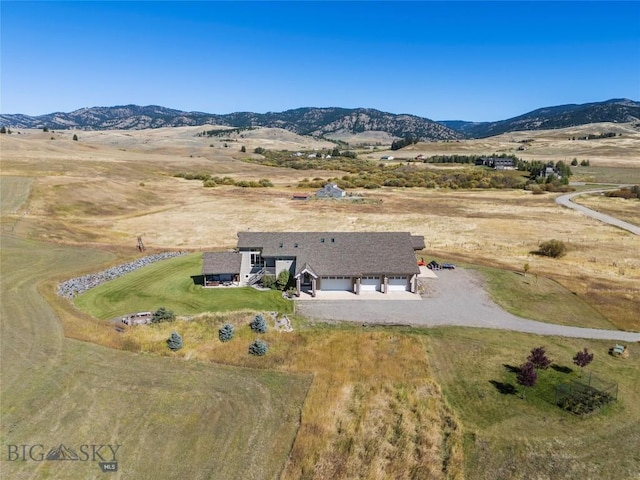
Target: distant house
column 420, row 157
column 323, row 261
column 497, row 163
column 331, row 190
column 548, row 171
column 387, row 157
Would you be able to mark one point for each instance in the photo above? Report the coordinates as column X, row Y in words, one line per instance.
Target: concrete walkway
column 455, row 298
column 565, row 201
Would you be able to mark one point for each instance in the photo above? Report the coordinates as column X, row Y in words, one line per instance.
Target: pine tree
column 226, row 332
column 175, row 341
column 258, row 347
column 163, row 315
column 258, row 324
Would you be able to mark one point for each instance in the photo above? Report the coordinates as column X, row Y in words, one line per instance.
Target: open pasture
column 171, row 418
column 103, row 193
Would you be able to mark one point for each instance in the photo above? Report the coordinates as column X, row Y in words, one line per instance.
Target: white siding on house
column 284, row 264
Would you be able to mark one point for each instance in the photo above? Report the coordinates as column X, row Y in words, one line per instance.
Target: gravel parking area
column 456, row 297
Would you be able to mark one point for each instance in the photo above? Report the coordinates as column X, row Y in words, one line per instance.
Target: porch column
column 414, row 283
column 358, row 286
column 385, row 285
column 313, row 287
column 298, row 285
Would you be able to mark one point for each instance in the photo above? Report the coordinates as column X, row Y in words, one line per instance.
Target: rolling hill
column 562, row 116
column 303, row 121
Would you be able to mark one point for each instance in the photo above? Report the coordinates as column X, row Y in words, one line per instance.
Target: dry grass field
column 96, row 195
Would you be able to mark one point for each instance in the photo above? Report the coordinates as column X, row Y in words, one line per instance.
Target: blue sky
column 478, row 61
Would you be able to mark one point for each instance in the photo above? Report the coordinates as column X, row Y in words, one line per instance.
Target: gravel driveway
column 456, row 297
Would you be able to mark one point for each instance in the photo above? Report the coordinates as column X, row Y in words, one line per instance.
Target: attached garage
column 398, row 284
column 370, row 284
column 335, row 283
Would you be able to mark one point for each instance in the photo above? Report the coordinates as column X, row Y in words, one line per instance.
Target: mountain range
column 619, row 110
column 321, row 122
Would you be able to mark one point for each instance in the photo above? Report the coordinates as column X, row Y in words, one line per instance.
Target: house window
column 333, row 240
column 322, row 240
column 256, row 259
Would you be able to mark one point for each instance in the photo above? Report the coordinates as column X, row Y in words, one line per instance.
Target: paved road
column 565, row 200
column 458, row 298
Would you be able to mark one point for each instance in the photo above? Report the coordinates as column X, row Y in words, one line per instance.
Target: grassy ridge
column 169, row 284
column 173, row 419
column 373, row 410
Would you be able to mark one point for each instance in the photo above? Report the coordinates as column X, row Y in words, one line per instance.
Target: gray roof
column 340, row 253
column 214, row 263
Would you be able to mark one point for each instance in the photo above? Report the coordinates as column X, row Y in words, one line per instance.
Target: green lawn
column 169, row 284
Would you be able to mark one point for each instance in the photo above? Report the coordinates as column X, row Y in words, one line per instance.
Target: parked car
column 433, row 265
column 449, row 266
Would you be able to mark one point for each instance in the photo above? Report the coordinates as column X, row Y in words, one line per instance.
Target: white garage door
column 370, row 284
column 335, row 283
column 397, row 284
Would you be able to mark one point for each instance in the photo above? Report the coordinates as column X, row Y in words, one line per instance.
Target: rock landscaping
column 75, row 286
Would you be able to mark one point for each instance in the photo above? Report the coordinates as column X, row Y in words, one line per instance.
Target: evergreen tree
column 175, row 341
column 75, row 137
column 163, row 315
column 258, row 324
column 258, row 347
column 226, row 332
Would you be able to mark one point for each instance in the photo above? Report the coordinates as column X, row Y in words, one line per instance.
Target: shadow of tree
column 504, row 388
column 511, row 368
column 561, row 369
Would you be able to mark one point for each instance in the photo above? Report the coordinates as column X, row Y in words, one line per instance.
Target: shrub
column 258, row 347
column 175, row 341
column 75, row 138
column 283, row 279
column 258, row 324
column 268, row 281
column 538, row 357
column 260, row 151
column 553, row 248
column 226, row 332
column 163, row 315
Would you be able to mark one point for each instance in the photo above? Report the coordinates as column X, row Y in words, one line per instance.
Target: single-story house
column 331, row 190
column 323, row 261
column 221, row 268
column 387, row 157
